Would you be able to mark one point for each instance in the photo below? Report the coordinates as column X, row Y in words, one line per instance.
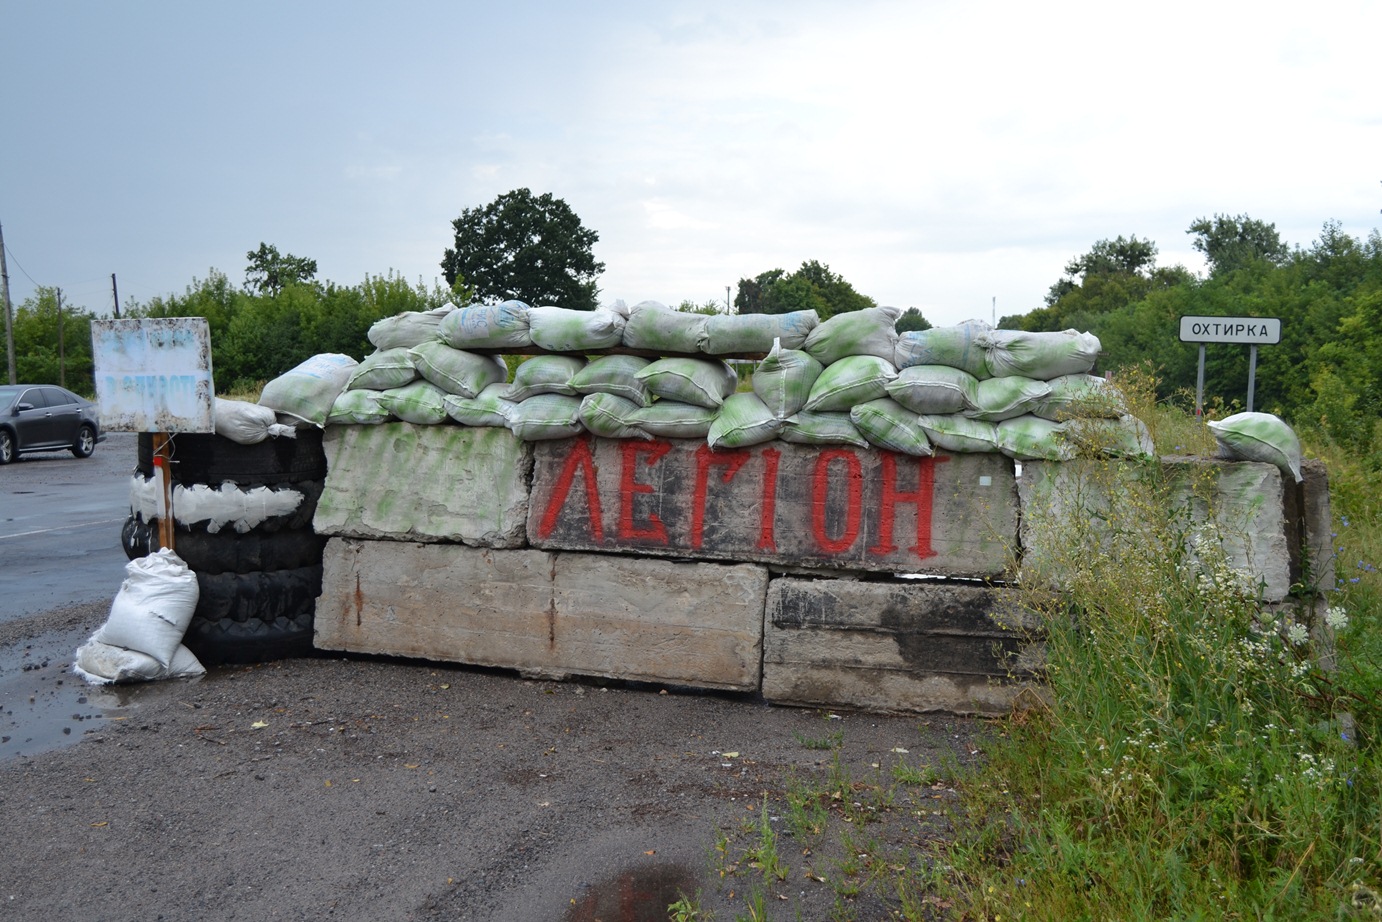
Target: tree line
column 1325, row 375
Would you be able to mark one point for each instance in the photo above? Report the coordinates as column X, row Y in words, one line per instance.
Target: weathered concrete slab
column 1309, row 528
column 1067, row 505
column 903, row 645
column 842, row 508
column 403, row 482
column 543, row 613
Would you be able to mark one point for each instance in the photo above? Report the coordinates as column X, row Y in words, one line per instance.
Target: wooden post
column 162, row 462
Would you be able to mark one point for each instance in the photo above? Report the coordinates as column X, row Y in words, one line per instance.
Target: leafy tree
column 912, row 320
column 812, row 287
column 533, row 249
column 52, row 351
column 709, row 308
column 1230, row 243
column 270, row 272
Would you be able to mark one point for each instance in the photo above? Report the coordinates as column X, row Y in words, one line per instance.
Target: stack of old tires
column 258, row 587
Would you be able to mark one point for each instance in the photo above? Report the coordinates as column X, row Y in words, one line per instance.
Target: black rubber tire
column 299, row 518
column 8, row 452
column 85, row 444
column 228, row 551
column 212, row 459
column 228, row 642
column 260, row 596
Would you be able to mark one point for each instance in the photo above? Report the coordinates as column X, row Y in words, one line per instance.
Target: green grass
column 1194, row 758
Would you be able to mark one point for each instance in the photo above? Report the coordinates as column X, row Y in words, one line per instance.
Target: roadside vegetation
column 1196, row 755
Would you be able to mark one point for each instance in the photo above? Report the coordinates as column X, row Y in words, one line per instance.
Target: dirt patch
column 355, row 788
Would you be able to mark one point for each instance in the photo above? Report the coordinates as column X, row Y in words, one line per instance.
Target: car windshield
column 8, row 392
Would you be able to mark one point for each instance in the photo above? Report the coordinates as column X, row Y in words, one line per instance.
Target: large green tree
column 270, row 271
column 1230, row 243
column 811, row 287
column 525, row 247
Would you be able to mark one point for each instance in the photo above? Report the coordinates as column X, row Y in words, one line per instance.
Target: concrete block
column 404, row 482
column 1067, row 505
column 902, row 645
column 544, row 613
column 839, row 508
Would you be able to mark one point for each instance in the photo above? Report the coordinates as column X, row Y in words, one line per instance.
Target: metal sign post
column 1248, row 331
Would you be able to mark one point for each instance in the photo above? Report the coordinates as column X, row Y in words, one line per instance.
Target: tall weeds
column 1193, row 761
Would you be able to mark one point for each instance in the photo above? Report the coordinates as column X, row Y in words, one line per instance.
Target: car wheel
column 228, row 551
column 86, row 442
column 6, row 446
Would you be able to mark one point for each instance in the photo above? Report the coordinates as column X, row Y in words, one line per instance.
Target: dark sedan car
column 44, row 417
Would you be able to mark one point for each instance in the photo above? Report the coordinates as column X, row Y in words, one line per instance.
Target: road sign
column 1246, row 331
column 153, row 374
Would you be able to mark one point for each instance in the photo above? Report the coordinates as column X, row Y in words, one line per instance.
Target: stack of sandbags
column 851, row 380
column 142, row 637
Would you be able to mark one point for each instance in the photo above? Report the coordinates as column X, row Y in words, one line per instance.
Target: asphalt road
column 60, row 520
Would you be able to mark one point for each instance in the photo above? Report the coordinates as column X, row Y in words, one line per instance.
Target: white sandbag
column 546, row 416
column 545, row 374
column 562, row 329
column 656, row 327
column 1031, row 438
column 609, row 416
column 153, row 607
column 248, row 423
column 490, row 407
column 358, row 408
column 455, row 370
column 419, row 403
column 307, row 392
column 408, row 329
column 852, row 380
column 216, row 506
column 784, row 379
column 1038, row 355
column 699, row 382
column 997, row 399
column 614, row 374
column 1259, row 437
column 887, row 424
column 956, row 346
column 487, row 326
column 934, row 390
column 807, row 428
column 732, row 333
column 871, row 331
column 670, row 419
column 959, row 434
column 1080, row 396
column 103, row 664
column 743, row 420
column 382, row 370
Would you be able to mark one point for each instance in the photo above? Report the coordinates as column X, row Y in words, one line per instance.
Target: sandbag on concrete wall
column 730, row 333
column 562, row 329
column 487, row 326
column 614, row 374
column 408, row 329
column 656, row 327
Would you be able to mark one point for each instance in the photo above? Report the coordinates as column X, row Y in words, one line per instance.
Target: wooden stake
column 162, row 466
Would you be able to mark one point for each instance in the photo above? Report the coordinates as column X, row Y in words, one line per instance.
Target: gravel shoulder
column 371, row 788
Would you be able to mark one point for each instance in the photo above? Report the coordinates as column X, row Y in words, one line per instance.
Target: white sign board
column 153, row 374
column 1247, row 331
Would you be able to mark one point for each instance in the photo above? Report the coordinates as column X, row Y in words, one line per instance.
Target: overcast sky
column 936, row 154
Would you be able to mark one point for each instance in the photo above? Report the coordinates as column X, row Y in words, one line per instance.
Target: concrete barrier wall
column 771, row 569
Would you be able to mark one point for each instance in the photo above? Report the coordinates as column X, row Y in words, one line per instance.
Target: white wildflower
column 1297, row 635
column 1336, row 618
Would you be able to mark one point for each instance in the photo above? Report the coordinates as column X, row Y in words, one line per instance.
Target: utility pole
column 726, row 299
column 9, row 313
column 115, row 293
column 62, row 355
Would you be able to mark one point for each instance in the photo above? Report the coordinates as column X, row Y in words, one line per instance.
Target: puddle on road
column 44, row 705
column 639, row 894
